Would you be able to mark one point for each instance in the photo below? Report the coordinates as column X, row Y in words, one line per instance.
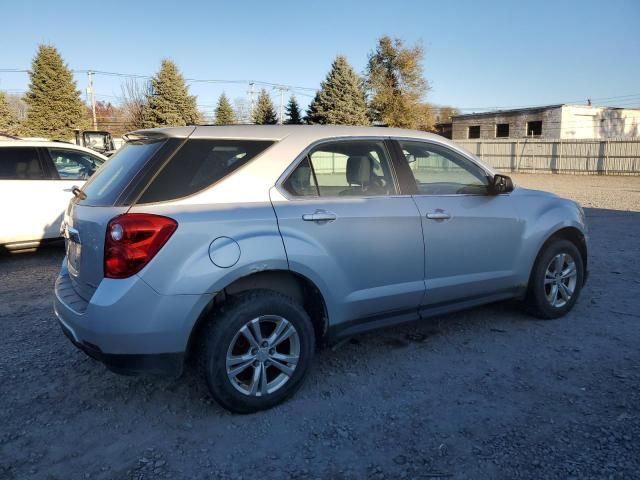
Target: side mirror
column 500, row 184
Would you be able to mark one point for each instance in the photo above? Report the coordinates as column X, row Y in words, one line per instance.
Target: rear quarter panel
column 183, row 266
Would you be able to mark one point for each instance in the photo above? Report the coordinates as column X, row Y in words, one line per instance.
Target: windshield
column 110, row 180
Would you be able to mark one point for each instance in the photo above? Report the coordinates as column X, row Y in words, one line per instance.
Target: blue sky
column 479, row 54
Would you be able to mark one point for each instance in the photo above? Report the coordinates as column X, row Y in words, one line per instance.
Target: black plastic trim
column 406, row 180
column 369, row 323
column 166, row 364
column 399, row 317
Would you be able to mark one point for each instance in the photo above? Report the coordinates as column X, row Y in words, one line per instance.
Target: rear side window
column 358, row 168
column 20, row 164
column 110, row 180
column 198, row 165
column 74, row 164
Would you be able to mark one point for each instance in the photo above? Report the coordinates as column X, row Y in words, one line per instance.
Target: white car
column 36, row 181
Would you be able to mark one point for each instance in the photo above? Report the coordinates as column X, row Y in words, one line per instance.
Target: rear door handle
column 438, row 215
column 319, row 216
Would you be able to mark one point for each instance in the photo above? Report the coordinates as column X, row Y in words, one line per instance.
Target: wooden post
column 560, row 153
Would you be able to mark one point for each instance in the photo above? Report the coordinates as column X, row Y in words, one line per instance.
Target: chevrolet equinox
column 246, row 247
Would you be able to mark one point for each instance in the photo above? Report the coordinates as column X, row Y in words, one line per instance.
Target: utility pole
column 92, row 98
column 251, row 101
column 281, row 109
column 281, row 119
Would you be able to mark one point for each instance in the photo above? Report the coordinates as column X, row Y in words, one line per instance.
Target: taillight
column 132, row 241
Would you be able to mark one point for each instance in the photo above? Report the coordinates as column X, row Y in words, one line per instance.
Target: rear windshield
column 110, row 180
column 199, row 164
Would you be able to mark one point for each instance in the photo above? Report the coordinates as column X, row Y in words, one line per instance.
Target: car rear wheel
column 256, row 350
column 556, row 280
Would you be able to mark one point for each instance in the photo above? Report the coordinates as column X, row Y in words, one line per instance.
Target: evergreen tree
column 54, row 105
column 224, row 112
column 8, row 118
column 294, row 117
column 169, row 103
column 341, row 99
column 311, row 116
column 395, row 83
column 264, row 113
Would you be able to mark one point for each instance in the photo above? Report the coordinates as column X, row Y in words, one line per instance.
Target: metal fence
column 598, row 157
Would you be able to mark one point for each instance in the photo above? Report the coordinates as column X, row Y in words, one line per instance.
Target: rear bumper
column 125, row 364
column 127, row 325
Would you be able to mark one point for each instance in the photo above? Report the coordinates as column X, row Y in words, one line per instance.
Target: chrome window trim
column 287, row 172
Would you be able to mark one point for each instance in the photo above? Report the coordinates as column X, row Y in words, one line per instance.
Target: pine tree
column 341, row 99
column 264, row 113
column 54, row 105
column 170, row 104
column 224, row 112
column 8, row 118
column 396, row 84
column 294, row 117
column 311, row 116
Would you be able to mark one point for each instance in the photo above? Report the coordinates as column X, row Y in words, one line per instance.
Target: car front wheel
column 556, row 280
column 256, row 350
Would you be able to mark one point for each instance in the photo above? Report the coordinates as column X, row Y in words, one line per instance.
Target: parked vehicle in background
column 98, row 140
column 36, row 178
column 248, row 246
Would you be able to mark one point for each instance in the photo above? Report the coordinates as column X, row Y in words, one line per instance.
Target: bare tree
column 135, row 94
column 18, row 105
column 242, row 110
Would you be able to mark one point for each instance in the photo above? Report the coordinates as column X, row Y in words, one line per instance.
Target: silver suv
column 246, row 247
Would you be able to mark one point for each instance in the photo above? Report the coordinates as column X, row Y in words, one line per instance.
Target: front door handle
column 438, row 215
column 319, row 216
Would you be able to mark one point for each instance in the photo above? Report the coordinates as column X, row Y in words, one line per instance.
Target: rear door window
column 20, row 163
column 198, row 165
column 74, row 164
column 358, row 168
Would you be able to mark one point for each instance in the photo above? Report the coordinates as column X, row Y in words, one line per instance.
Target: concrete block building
column 563, row 121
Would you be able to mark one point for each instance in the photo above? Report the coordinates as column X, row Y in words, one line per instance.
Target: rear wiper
column 78, row 193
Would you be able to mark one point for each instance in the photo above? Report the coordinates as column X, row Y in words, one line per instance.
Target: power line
column 622, row 100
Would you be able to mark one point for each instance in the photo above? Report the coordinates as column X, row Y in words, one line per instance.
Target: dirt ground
column 487, row 393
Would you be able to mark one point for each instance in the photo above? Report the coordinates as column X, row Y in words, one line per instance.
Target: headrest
column 358, row 170
column 300, row 180
column 34, row 169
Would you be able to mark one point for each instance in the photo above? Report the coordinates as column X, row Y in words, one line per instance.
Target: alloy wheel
column 560, row 280
column 263, row 355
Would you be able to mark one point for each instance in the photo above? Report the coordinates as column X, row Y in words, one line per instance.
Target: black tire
column 222, row 327
column 536, row 300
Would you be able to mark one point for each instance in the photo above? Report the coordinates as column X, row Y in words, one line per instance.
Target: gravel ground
column 488, row 393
